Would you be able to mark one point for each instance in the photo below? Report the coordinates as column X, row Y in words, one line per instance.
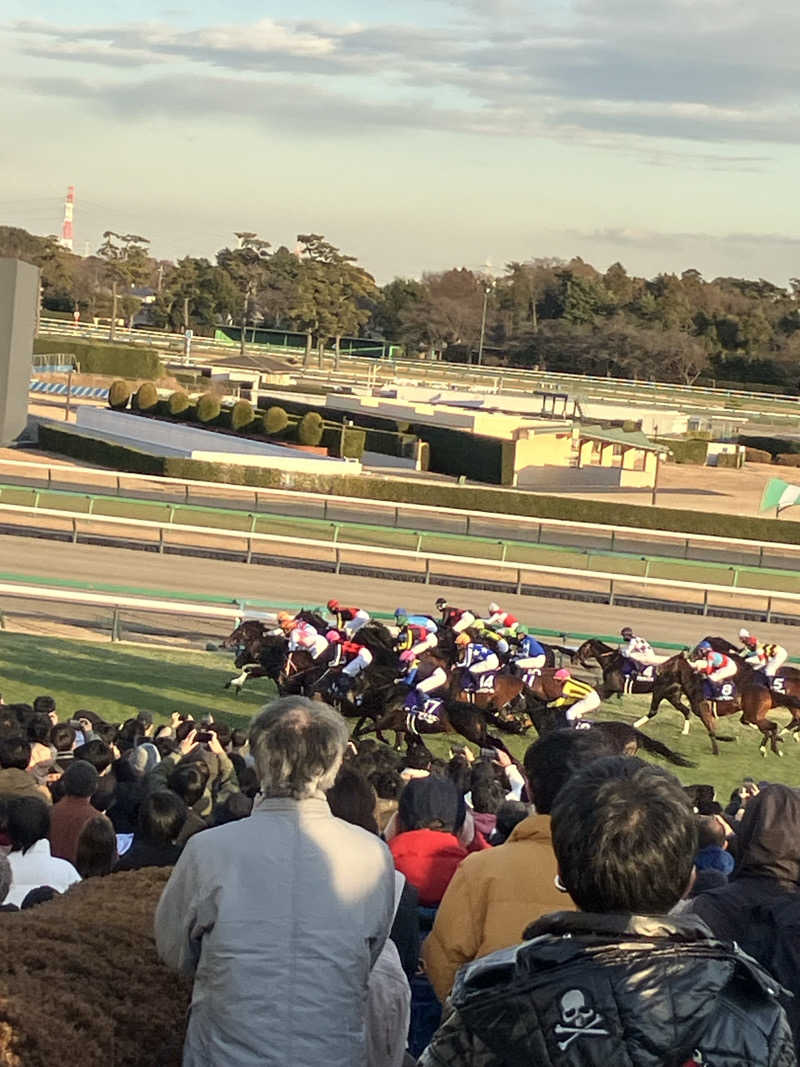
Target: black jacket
column 609, row 990
column 759, row 908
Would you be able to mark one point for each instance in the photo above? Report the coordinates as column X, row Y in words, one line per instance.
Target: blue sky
column 415, row 135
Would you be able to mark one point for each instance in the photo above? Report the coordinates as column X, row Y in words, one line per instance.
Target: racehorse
column 611, row 663
column 753, row 700
column 545, row 689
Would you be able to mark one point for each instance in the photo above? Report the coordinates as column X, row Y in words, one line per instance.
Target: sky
column 415, row 135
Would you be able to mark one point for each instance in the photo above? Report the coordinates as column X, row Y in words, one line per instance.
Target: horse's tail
column 658, row 748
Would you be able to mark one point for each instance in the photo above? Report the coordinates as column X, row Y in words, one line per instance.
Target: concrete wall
column 19, row 298
column 174, row 439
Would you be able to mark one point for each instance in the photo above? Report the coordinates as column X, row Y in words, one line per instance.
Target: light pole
column 486, row 290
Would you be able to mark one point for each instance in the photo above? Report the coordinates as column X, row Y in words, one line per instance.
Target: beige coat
column 492, row 897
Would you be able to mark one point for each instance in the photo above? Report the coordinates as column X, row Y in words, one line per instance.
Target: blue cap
column 401, row 613
column 705, row 645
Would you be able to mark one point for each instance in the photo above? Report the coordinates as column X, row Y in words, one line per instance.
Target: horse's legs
column 704, row 711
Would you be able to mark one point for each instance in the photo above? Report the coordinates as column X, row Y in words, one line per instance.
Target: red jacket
column 428, row 859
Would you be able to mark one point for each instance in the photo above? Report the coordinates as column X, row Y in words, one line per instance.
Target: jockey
column 457, row 619
column 502, row 620
column 349, row 619
column 424, row 679
column 577, row 697
column 529, row 656
column 478, row 659
column 766, row 657
column 639, row 651
column 302, row 635
column 494, row 639
column 357, row 657
column 715, row 665
column 416, row 632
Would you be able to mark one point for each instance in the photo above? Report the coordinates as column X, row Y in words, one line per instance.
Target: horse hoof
column 640, row 722
column 763, row 752
column 685, row 730
column 227, row 685
column 796, row 737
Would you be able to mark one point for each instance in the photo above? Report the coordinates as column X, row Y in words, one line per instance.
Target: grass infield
column 117, row 680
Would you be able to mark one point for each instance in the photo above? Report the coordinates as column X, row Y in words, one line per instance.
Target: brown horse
column 616, row 682
column 753, row 700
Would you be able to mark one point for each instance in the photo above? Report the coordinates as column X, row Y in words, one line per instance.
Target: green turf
column 118, row 680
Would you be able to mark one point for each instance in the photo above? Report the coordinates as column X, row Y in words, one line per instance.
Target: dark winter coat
column 759, row 908
column 596, row 990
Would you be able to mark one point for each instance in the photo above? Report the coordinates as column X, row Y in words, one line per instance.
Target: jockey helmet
column 441, row 603
column 626, row 632
column 522, row 631
column 333, row 605
column 462, row 640
column 743, row 633
column 401, row 613
column 562, row 674
column 407, row 657
column 493, row 608
column 333, row 636
column 704, row 646
column 282, row 617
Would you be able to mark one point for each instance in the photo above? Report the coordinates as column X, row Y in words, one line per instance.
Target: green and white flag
column 779, row 494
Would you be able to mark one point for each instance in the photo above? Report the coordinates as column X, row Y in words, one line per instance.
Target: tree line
column 548, row 313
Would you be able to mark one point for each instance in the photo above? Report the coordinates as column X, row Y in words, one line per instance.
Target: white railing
column 56, row 473
column 334, row 551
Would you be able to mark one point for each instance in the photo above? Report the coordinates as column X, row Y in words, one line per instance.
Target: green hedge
column 457, row 452
column 310, row 429
column 757, row 455
column 242, row 415
column 729, row 459
column 119, row 394
column 103, row 453
column 208, row 408
column 470, row 498
column 146, row 397
column 788, row 459
column 773, row 445
column 127, row 361
column 685, row 449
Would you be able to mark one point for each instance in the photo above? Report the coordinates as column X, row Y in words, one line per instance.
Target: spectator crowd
column 280, row 896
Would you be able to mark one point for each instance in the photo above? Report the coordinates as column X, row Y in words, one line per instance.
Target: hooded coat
column 759, row 908
column 595, row 990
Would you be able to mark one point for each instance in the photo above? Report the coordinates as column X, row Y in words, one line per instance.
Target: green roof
column 615, row 436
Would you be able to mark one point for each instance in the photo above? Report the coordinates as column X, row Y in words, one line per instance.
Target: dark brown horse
column 616, row 682
column 753, row 700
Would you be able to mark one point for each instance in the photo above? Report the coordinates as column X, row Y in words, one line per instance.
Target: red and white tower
column 66, row 226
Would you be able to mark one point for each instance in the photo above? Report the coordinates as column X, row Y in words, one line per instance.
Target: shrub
column 146, row 397
column 773, row 445
column 208, row 407
column 757, row 455
column 179, row 403
column 275, row 420
column 310, row 429
column 94, row 358
column 685, row 449
column 729, row 459
column 119, row 394
column 241, row 415
column 788, row 459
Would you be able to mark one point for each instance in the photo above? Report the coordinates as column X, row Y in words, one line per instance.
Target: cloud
column 724, row 72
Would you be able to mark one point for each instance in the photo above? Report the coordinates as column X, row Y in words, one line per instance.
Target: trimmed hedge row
column 122, row 360
column 685, row 449
column 788, row 459
column 774, row 445
column 757, row 455
column 470, row 498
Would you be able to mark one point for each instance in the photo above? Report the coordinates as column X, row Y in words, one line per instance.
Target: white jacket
column 35, row 868
column 280, row 917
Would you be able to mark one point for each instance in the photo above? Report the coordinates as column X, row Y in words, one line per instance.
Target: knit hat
column 431, row 803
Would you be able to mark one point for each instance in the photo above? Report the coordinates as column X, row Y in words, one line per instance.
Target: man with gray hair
column 280, row 916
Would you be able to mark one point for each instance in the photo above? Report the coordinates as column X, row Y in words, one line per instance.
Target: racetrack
column 281, row 584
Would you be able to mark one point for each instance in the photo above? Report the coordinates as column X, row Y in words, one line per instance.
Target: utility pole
column 486, row 290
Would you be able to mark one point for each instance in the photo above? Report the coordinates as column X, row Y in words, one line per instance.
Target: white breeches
column 434, row 681
column 727, row 671
column 431, row 641
column 466, row 620
column 530, row 663
column 583, row 707
column 491, row 663
column 357, row 665
column 354, row 625
column 774, row 663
